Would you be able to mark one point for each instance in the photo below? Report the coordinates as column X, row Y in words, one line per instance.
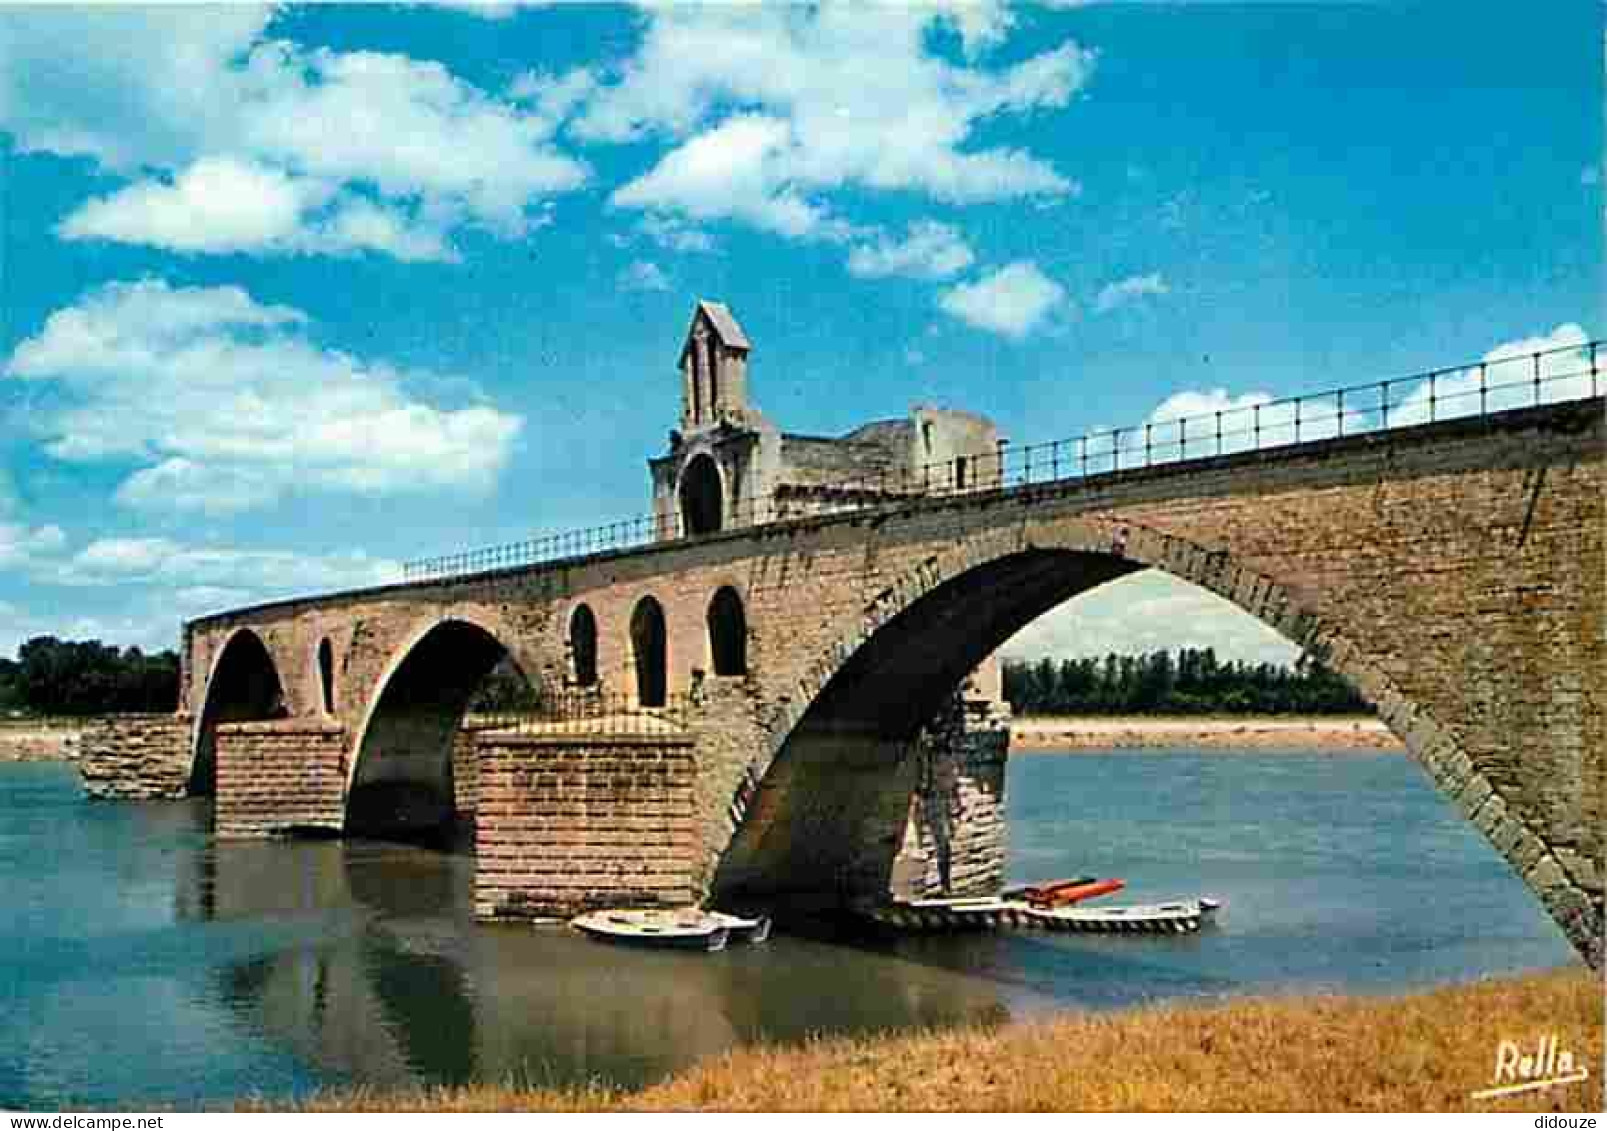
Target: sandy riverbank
column 1037, row 733
column 1419, row 1052
column 30, row 742
column 26, row 742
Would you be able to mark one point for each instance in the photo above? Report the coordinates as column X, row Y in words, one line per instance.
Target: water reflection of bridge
column 383, row 977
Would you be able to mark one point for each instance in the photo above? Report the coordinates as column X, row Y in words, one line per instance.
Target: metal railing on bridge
column 589, row 711
column 1247, row 424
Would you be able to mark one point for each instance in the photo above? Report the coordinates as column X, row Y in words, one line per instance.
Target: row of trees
column 85, row 677
column 1193, row 681
column 65, row 677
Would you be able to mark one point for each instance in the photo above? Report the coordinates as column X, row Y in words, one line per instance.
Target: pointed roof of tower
column 725, row 325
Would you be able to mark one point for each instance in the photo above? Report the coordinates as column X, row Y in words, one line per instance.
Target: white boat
column 675, row 928
column 995, row 913
column 755, row 930
column 1177, row 918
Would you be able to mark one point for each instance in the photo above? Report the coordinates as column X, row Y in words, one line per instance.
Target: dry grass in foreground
column 1423, row 1052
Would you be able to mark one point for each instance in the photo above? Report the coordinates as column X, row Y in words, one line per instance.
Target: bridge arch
column 244, row 685
column 888, row 668
column 996, row 582
column 399, row 778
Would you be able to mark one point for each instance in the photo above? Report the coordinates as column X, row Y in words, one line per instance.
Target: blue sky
column 291, row 295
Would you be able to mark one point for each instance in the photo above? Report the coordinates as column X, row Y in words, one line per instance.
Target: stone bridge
column 812, row 739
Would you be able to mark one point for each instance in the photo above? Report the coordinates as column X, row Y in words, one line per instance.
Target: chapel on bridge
column 728, row 465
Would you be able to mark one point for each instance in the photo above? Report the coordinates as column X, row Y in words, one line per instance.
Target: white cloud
column 1124, row 291
column 158, row 580
column 1204, row 422
column 1147, row 612
column 930, row 250
column 221, row 204
column 185, row 486
column 23, row 546
column 1507, row 377
column 734, row 170
column 643, row 276
column 409, row 127
column 673, row 235
column 218, row 204
column 980, row 24
column 554, row 96
column 1013, row 301
column 242, row 573
column 137, row 89
column 197, row 599
column 485, row 9
column 772, row 109
column 234, row 141
column 228, row 405
column 1207, row 402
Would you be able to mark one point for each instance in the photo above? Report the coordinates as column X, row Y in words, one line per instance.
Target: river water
column 142, row 964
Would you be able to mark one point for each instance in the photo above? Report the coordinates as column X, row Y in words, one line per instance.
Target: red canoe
column 1063, row 893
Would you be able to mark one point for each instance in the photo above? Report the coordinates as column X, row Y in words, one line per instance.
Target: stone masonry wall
column 465, row 770
column 136, row 757
column 956, row 838
column 569, row 822
column 280, row 777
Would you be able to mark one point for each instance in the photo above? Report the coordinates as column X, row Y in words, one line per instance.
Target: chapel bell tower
column 714, row 370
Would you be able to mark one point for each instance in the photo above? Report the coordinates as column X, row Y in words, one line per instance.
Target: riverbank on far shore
column 57, row 740
column 1425, row 1051
column 39, row 741
column 1063, row 733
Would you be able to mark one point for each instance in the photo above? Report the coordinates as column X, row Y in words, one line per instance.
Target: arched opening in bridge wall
column 402, row 780
column 831, row 813
column 728, row 633
column 702, row 497
column 326, row 675
column 649, row 653
column 583, row 646
column 244, row 687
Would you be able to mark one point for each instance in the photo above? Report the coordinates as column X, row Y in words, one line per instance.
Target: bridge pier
column 137, row 757
column 566, row 822
column 956, row 837
column 847, row 814
column 280, row 777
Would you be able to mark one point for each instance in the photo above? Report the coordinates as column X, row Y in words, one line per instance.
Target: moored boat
column 678, row 929
column 998, row 913
column 1063, row 893
column 1177, row 918
column 743, row 929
